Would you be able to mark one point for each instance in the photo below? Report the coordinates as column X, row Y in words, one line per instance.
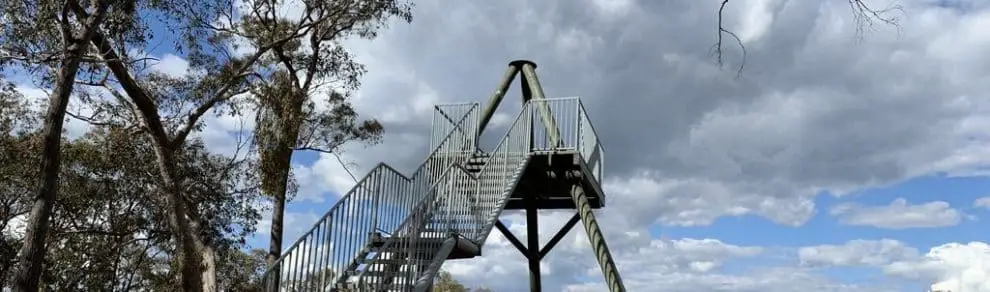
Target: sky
column 834, row 162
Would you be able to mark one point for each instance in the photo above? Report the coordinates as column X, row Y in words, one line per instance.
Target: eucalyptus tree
column 108, row 231
column 304, row 104
column 52, row 43
column 226, row 43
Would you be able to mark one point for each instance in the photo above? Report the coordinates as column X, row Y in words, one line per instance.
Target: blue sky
column 833, row 163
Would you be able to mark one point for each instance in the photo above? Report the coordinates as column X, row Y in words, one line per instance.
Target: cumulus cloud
column 899, row 214
column 958, row 266
column 761, row 280
column 295, row 224
column 73, row 128
column 953, row 266
column 645, row 264
column 808, row 116
column 856, row 253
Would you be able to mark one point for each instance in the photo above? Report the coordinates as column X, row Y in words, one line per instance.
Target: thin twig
column 865, row 17
column 335, row 155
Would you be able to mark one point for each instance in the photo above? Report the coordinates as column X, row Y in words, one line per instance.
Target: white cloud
column 647, row 198
column 761, row 280
column 294, row 225
column 856, row 253
column 983, row 202
column 227, row 134
column 171, row 65
column 73, row 128
column 965, row 267
column 898, row 215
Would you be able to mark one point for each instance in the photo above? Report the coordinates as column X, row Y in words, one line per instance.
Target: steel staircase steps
column 447, row 207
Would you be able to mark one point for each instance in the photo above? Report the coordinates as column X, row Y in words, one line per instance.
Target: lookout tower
column 564, row 171
column 393, row 232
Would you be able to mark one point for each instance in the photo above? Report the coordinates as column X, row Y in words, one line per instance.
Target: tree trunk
column 32, row 253
column 275, row 245
column 279, row 159
column 194, row 258
column 31, row 257
column 278, row 210
column 276, row 163
column 278, row 214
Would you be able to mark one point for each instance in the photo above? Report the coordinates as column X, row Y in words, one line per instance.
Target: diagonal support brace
column 512, row 238
column 560, row 235
column 609, row 270
column 496, row 98
column 550, row 244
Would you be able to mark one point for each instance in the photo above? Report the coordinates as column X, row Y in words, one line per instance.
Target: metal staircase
column 393, row 232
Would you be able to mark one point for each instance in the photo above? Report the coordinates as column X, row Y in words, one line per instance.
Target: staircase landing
column 547, row 177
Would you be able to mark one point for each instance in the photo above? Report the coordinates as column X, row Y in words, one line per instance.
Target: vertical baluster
column 376, row 203
column 340, row 242
column 296, row 261
column 321, row 264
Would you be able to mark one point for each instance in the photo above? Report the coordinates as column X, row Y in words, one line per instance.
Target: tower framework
column 393, row 232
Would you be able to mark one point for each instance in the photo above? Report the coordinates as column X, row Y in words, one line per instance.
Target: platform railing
column 575, row 130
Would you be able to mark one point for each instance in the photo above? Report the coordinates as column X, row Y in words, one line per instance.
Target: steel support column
column 611, row 273
column 533, row 246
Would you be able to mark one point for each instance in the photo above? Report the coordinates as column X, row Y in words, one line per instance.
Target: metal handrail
column 362, row 197
column 516, row 140
column 444, row 194
column 410, row 231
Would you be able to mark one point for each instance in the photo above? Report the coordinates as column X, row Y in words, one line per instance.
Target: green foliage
column 109, row 231
column 445, row 282
column 241, row 271
column 290, row 114
column 117, row 223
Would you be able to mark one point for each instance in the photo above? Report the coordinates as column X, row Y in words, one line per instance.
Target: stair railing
column 379, row 201
column 491, row 191
column 496, row 180
column 416, row 238
column 453, row 210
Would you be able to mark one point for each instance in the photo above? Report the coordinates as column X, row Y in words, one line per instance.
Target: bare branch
column 866, row 19
column 335, row 155
column 90, row 119
column 717, row 47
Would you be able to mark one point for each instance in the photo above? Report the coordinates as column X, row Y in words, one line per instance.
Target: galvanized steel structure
column 393, row 232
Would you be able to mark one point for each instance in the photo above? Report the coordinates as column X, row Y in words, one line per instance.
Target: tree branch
column 720, row 31
column 222, row 93
column 335, row 155
column 864, row 15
